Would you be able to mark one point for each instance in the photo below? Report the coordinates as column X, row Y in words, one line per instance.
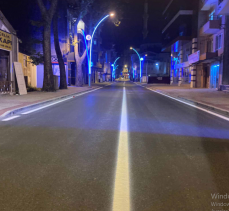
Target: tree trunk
column 79, row 73
column 48, row 83
column 63, row 80
column 79, row 61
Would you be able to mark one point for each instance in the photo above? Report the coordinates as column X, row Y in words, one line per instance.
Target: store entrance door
column 4, row 71
column 214, row 82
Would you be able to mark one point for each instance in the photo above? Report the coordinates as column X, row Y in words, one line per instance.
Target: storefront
column 8, row 55
column 5, row 49
column 214, row 75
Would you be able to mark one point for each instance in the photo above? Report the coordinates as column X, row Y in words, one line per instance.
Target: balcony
column 223, row 7
column 208, row 57
column 207, row 4
column 211, row 27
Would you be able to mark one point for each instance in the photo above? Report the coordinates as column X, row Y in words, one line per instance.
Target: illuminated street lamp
column 140, row 59
column 115, row 67
column 91, row 44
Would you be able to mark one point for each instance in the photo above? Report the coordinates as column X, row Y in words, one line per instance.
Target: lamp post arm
column 92, row 40
column 85, row 40
column 140, row 63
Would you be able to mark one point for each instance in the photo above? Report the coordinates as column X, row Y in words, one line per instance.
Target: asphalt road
column 120, row 148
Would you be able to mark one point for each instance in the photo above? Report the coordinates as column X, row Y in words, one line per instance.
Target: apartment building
column 179, row 38
column 209, row 60
column 196, row 38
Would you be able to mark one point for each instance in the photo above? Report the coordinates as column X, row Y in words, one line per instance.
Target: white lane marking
column 10, row 118
column 202, row 109
column 121, row 197
column 37, row 109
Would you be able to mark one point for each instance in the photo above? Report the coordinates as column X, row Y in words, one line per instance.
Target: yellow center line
column 121, row 198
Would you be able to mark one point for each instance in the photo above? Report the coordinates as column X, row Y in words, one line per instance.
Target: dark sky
column 128, row 33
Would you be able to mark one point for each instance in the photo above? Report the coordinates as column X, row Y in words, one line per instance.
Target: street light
column 85, row 40
column 140, row 59
column 91, row 44
column 114, row 67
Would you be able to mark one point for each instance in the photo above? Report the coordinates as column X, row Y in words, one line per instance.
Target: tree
column 47, row 16
column 63, row 80
column 77, row 10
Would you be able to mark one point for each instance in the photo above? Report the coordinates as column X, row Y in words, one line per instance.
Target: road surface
column 119, row 148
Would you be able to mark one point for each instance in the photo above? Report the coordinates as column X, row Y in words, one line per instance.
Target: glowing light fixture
column 88, row 37
column 131, row 48
column 85, row 40
column 89, row 69
column 115, row 67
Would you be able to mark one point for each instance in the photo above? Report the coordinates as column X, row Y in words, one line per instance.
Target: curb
column 202, row 105
column 17, row 110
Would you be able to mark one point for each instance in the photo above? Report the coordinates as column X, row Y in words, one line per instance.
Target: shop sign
column 5, row 41
column 182, row 65
column 193, row 58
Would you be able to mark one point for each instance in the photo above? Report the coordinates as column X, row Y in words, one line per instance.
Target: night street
column 119, row 148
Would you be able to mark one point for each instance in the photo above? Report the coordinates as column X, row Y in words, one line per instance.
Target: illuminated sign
column 193, row 58
column 5, row 41
column 88, row 37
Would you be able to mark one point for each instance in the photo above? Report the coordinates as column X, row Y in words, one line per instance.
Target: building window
column 95, row 43
column 209, row 45
column 218, row 42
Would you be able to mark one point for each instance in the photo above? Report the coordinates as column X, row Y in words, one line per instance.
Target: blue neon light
column 176, row 46
column 140, row 62
column 115, row 67
column 85, row 40
column 92, row 40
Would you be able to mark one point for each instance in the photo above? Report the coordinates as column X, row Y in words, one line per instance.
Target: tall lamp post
column 114, row 67
column 91, row 44
column 140, row 60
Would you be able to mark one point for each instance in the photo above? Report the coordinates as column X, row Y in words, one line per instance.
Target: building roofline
column 6, row 23
column 181, row 12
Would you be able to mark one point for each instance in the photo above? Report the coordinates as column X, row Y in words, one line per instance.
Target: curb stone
column 202, row 105
column 17, row 110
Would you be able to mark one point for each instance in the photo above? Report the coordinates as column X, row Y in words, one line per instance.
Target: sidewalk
column 212, row 98
column 9, row 103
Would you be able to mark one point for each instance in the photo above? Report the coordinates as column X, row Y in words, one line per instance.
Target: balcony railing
column 215, row 17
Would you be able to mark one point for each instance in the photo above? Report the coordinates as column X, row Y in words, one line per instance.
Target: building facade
column 8, row 55
column 195, row 36
column 179, row 38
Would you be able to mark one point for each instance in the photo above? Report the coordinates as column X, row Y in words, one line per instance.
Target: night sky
column 128, row 33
